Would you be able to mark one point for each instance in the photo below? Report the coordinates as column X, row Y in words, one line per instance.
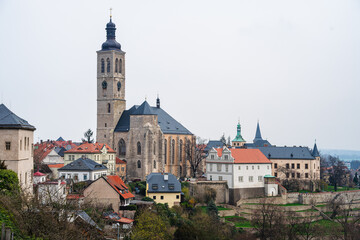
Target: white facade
column 53, row 158
column 79, row 176
column 49, row 192
column 237, row 175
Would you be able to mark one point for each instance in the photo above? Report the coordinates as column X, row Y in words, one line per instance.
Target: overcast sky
column 292, row 65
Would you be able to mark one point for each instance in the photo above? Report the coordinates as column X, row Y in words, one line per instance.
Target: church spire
column 238, row 137
column 258, row 133
column 111, row 43
column 315, row 151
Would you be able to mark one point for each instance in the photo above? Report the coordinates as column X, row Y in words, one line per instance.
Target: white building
column 83, row 169
column 52, row 191
column 39, row 177
column 243, row 169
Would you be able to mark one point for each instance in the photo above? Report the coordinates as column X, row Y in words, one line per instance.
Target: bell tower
column 110, row 86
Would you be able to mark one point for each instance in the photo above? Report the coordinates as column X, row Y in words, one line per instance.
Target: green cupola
column 238, row 140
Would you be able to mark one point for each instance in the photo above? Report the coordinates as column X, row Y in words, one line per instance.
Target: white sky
column 294, row 65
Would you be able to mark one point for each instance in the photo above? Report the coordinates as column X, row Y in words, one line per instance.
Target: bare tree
column 88, row 136
column 195, row 154
column 338, row 172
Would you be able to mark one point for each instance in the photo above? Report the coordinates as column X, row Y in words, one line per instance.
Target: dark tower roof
column 315, row 151
column 258, row 133
column 111, row 43
column 8, row 119
column 144, row 109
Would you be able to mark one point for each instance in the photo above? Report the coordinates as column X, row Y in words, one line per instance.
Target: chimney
column 166, row 177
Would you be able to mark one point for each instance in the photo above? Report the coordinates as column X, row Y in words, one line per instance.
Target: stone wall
column 197, row 190
column 235, row 194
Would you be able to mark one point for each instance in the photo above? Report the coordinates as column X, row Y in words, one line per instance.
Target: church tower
column 110, row 86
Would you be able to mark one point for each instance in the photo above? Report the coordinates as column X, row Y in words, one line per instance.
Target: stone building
column 16, row 139
column 146, row 137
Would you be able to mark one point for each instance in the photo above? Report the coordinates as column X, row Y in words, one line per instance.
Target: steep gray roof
column 315, row 151
column 258, row 133
column 258, row 143
column 286, row 152
column 166, row 122
column 8, row 119
column 83, row 164
column 158, row 184
column 214, row 144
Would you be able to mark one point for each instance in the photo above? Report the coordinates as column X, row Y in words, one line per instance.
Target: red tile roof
column 243, row 155
column 59, row 165
column 119, row 186
column 119, row 161
column 90, row 148
column 41, row 150
column 39, row 174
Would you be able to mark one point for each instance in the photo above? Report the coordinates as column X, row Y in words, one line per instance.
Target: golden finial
column 110, row 13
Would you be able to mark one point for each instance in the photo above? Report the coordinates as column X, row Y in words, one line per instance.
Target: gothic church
column 148, row 138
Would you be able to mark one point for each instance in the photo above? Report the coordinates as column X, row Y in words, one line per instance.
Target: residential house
column 98, row 152
column 39, row 177
column 163, row 188
column 51, row 191
column 108, row 190
column 121, row 168
column 16, row 146
column 243, row 169
column 82, row 169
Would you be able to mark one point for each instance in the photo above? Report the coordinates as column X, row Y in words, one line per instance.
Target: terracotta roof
column 59, row 165
column 242, row 155
column 117, row 183
column 90, row 148
column 119, row 161
column 39, row 174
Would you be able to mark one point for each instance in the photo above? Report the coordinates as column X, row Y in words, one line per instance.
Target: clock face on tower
column 104, row 84
column 118, row 86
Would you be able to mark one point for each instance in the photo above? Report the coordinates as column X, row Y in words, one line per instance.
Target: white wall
column 250, row 170
column 91, row 175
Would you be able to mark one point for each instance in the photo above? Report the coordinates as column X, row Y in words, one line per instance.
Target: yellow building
column 163, row 188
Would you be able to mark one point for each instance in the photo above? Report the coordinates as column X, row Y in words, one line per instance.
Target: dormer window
column 171, row 186
column 226, row 157
column 212, row 156
column 155, row 187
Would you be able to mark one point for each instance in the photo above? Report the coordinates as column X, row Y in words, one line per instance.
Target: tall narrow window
column 120, row 65
column 108, row 65
column 104, row 84
column 172, row 151
column 109, row 108
column 165, row 147
column 116, row 65
column 118, row 86
column 138, row 148
column 102, row 65
column 154, row 164
column 181, row 151
column 180, row 171
column 8, row 145
column 122, row 147
column 20, row 144
column 139, row 164
column 154, row 147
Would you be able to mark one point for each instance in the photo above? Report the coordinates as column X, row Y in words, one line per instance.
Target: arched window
column 172, row 151
column 102, row 65
column 165, row 147
column 180, row 171
column 154, row 147
column 139, row 164
column 181, row 151
column 138, row 148
column 120, row 65
column 122, row 147
column 118, row 86
column 109, row 108
column 116, row 65
column 104, row 85
column 154, row 164
column 108, row 65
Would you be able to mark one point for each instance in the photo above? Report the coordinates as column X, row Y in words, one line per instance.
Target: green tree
column 150, row 226
column 212, row 209
column 356, row 179
column 9, row 181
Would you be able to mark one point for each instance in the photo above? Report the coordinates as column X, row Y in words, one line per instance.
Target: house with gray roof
column 82, row 169
column 163, row 188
